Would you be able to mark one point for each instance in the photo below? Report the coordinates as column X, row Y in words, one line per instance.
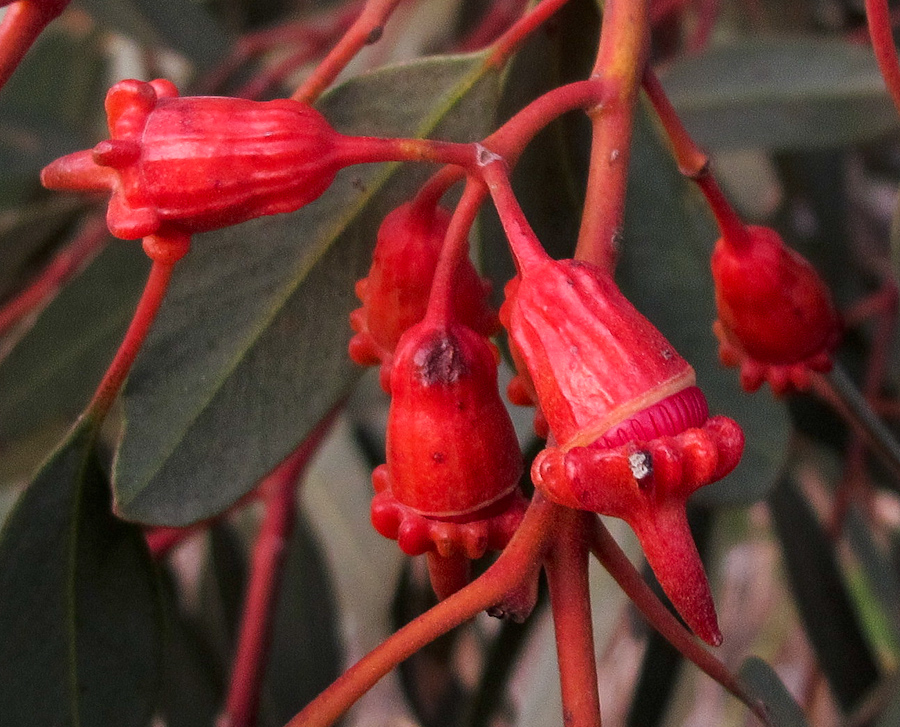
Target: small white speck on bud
column 640, row 465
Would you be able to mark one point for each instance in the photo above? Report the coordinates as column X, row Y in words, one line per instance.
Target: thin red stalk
column 694, row 164
column 151, row 299
column 22, row 24
column 566, row 565
column 513, row 565
column 882, row 35
column 621, row 57
column 526, row 248
column 876, row 368
column 263, row 81
column 455, row 249
column 707, row 15
column 365, row 30
column 67, row 262
column 368, row 149
column 266, row 574
column 509, row 42
column 614, row 560
column 498, row 18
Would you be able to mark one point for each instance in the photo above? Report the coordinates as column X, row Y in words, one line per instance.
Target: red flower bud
column 632, row 433
column 395, row 293
column 200, row 163
column 777, row 321
column 453, row 460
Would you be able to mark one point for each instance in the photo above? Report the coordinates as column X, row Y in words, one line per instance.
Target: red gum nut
column 776, row 316
column 451, row 447
column 593, row 359
column 396, row 291
column 200, row 163
column 647, row 483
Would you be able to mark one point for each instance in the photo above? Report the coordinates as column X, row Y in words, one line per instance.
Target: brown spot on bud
column 440, row 361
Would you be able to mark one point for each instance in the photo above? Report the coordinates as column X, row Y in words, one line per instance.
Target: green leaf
column 51, row 373
column 781, row 93
column 80, row 613
column 762, row 682
column 249, row 351
column 822, row 599
column 664, row 270
column 185, row 27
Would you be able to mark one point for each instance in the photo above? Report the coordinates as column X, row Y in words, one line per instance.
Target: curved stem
column 567, row 575
column 72, row 258
column 621, row 57
column 879, row 19
column 614, row 560
column 23, row 23
column 266, row 574
column 365, row 30
column 511, row 567
column 694, row 164
column 454, row 250
column 144, row 315
column 510, row 41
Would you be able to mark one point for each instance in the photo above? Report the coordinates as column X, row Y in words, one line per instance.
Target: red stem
column 882, row 36
column 147, row 308
column 365, row 30
column 372, row 149
column 266, row 573
column 614, row 560
column 567, row 575
column 69, row 261
column 448, row 574
column 621, row 57
column 694, row 164
column 22, row 24
column 510, row 41
column 510, row 569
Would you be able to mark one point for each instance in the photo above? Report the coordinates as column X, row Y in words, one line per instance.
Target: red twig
column 621, row 57
column 269, row 554
column 880, row 31
column 23, row 23
column 64, row 266
column 567, row 575
column 496, row 20
column 611, row 557
column 512, row 567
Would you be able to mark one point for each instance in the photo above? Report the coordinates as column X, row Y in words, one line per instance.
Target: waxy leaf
column 51, row 373
column 664, row 270
column 763, row 683
column 781, row 93
column 80, row 612
column 249, row 350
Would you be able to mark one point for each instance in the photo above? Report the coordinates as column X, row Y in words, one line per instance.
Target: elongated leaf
column 664, row 269
column 781, row 93
column 822, row 600
column 54, row 368
column 80, row 614
column 249, row 351
column 762, row 681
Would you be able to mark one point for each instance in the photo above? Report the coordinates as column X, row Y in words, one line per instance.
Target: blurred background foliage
column 249, row 353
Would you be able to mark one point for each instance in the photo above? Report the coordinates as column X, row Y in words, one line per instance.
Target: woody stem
column 365, row 30
column 144, row 315
column 621, row 57
column 269, row 555
column 614, row 560
column 567, row 575
column 694, row 164
column 513, row 565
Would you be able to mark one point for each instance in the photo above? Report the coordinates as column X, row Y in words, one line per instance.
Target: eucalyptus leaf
column 762, row 682
column 249, row 350
column 781, row 93
column 664, row 270
column 51, row 373
column 80, row 610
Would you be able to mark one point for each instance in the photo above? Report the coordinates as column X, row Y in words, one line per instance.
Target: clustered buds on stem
column 777, row 321
column 395, row 293
column 630, row 433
